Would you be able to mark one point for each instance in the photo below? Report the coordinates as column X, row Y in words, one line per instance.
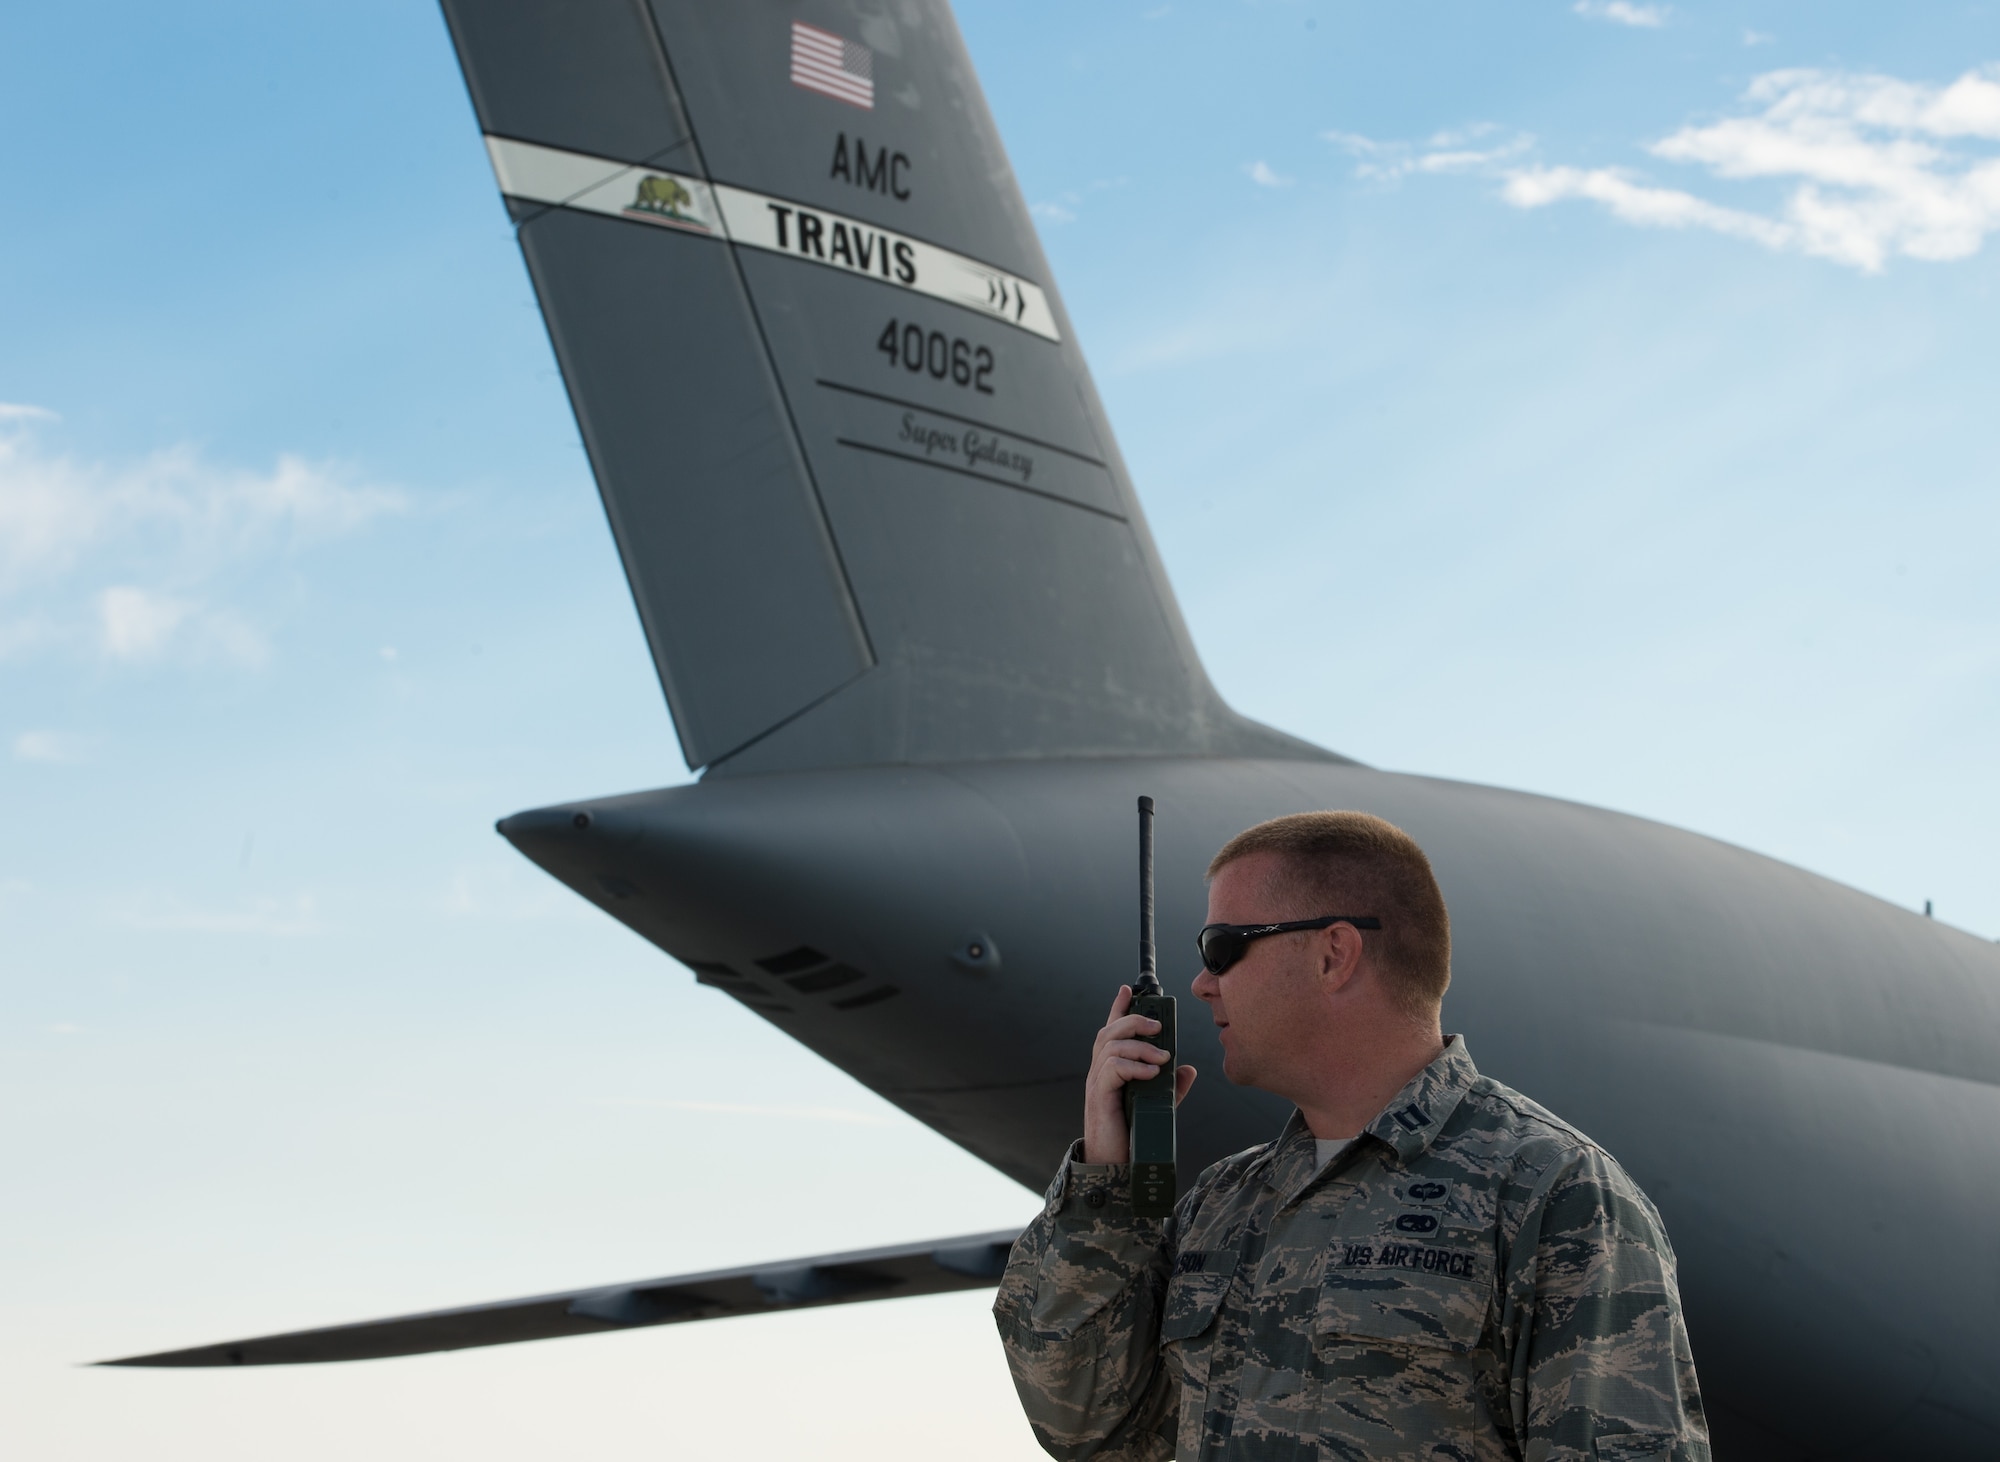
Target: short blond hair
column 1358, row 863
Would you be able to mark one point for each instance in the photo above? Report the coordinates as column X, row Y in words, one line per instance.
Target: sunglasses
column 1223, row 944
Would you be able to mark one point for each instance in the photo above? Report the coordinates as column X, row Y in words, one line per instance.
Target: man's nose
column 1206, row 986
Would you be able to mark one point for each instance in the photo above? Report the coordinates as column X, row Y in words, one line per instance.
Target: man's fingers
column 1136, row 1051
column 1103, row 1129
column 1183, row 1079
column 1117, row 1062
column 1124, row 1028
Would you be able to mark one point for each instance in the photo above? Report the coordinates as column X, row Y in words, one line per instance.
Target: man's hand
column 1121, row 1055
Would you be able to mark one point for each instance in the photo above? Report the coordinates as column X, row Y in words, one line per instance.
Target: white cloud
column 1875, row 168
column 136, row 624
column 1262, row 175
column 48, row 746
column 1623, row 12
column 53, row 508
column 1635, row 202
column 1053, row 213
column 1757, row 38
column 172, row 519
column 1442, row 152
column 1457, row 161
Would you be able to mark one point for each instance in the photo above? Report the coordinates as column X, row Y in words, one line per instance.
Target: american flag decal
column 831, row 66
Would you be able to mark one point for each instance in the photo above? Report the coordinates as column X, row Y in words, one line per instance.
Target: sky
column 1592, row 398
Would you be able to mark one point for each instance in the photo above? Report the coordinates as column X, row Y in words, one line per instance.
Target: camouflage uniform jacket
column 1472, row 1279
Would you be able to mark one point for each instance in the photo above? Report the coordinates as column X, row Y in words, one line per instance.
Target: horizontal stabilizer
column 941, row 1266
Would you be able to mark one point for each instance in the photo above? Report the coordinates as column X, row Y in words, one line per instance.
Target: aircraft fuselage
column 1806, row 1079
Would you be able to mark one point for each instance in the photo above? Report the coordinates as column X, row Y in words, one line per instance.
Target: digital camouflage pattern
column 1472, row 1279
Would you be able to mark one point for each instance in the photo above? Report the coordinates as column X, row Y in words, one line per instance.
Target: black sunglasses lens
column 1220, row 948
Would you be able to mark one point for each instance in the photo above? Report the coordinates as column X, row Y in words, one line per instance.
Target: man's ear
column 1340, row 957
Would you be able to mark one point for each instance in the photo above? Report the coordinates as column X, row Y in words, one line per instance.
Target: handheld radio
column 1149, row 1105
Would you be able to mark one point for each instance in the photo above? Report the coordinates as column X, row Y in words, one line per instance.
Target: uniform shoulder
column 1536, row 1137
column 1554, row 1169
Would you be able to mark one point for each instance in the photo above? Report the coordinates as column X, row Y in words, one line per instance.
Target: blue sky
column 1595, row 399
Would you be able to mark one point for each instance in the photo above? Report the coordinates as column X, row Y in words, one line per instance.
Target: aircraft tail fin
column 865, row 494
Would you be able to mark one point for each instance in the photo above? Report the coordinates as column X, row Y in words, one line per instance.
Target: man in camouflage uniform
column 1424, row 1264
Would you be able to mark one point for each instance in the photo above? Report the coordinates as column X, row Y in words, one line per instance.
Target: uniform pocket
column 1428, row 1294
column 1396, row 1336
column 1195, row 1291
column 1195, row 1294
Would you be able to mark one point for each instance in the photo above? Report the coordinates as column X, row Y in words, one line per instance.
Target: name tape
column 536, row 174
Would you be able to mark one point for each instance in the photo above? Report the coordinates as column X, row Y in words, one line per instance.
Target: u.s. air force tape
column 536, row 174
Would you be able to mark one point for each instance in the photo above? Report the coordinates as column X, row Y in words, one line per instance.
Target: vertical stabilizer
column 865, row 494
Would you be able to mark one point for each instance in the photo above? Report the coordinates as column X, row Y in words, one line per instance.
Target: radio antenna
column 1148, row 982
column 1149, row 1105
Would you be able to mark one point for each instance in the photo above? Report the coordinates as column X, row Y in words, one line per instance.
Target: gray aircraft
column 918, row 642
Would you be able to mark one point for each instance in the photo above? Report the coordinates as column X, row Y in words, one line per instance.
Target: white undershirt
column 1329, row 1148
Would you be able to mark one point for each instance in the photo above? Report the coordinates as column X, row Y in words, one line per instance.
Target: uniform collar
column 1409, row 1124
column 1415, row 1114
